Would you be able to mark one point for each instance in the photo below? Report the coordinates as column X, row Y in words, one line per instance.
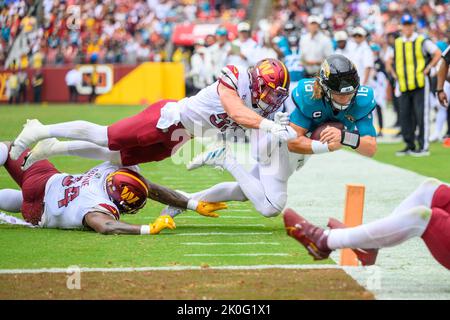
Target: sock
column 385, row 232
column 3, row 153
column 225, row 191
column 80, row 130
column 422, row 196
column 11, row 200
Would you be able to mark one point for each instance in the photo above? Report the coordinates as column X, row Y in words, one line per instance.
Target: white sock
column 422, row 196
column 10, row 200
column 385, row 232
column 441, row 118
column 80, row 130
column 92, row 151
column 3, row 153
column 225, row 191
column 252, row 187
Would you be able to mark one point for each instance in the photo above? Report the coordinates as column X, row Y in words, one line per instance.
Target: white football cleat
column 32, row 132
column 42, row 150
column 214, row 158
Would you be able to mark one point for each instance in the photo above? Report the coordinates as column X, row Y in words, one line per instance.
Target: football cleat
column 32, row 132
column 367, row 257
column 310, row 236
column 172, row 211
column 41, row 151
column 214, row 158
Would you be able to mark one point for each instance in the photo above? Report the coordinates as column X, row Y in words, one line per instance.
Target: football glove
column 161, row 223
column 282, row 118
column 207, row 208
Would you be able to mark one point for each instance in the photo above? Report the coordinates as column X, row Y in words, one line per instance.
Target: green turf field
column 240, row 236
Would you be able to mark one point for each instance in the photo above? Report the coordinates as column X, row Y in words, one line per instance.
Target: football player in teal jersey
column 335, row 95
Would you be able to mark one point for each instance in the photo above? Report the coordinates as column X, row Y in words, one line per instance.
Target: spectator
column 266, row 50
column 361, row 55
column 202, row 72
column 293, row 60
column 219, row 51
column 12, row 88
column 413, row 85
column 378, row 82
column 313, row 55
column 442, row 84
column 94, row 79
column 73, row 79
column 23, row 85
column 242, row 49
column 341, row 39
column 37, row 83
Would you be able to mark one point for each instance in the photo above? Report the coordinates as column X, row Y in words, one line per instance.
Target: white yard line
column 173, row 268
column 256, row 254
column 223, row 225
column 230, row 243
column 223, row 234
column 317, row 191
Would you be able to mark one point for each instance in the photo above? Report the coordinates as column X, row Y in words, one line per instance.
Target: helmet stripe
column 285, row 74
column 131, row 176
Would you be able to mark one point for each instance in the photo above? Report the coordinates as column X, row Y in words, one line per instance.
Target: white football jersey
column 68, row 198
column 203, row 114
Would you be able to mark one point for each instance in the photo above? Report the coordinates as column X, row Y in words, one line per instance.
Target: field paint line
column 201, row 217
column 235, row 254
column 230, row 243
column 224, row 234
column 174, row 268
column 223, row 225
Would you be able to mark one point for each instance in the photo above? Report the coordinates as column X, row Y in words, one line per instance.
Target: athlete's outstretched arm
column 171, row 197
column 236, row 109
column 105, row 224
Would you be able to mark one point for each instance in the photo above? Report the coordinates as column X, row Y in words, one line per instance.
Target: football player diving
column 334, row 96
column 93, row 200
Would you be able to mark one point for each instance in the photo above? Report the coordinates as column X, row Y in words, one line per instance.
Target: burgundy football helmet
column 269, row 84
column 127, row 189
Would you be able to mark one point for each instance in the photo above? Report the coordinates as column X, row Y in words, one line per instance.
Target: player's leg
column 422, row 196
column 437, row 237
column 221, row 192
column 10, row 200
column 52, row 147
column 386, row 232
column 35, row 131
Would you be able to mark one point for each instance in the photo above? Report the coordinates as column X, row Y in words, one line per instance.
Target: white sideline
column 174, row 268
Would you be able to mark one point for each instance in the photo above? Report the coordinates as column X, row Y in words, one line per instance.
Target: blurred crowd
column 299, row 32
column 104, row 31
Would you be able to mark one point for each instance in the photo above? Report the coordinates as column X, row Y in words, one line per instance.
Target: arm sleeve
column 365, row 126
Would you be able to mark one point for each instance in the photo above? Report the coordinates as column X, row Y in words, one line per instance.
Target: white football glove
column 282, row 133
column 282, row 118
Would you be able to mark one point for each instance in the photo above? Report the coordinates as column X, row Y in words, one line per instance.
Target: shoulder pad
column 364, row 102
column 229, row 77
column 302, row 97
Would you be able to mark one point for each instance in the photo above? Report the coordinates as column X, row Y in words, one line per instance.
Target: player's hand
column 207, row 208
column 334, row 145
column 283, row 133
column 161, row 223
column 282, row 118
column 443, row 99
column 330, row 134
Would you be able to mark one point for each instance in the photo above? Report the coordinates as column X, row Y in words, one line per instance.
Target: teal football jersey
column 311, row 113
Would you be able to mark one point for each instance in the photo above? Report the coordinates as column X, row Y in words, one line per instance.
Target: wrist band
column 439, row 90
column 350, row 139
column 192, row 204
column 145, row 229
column 319, row 147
